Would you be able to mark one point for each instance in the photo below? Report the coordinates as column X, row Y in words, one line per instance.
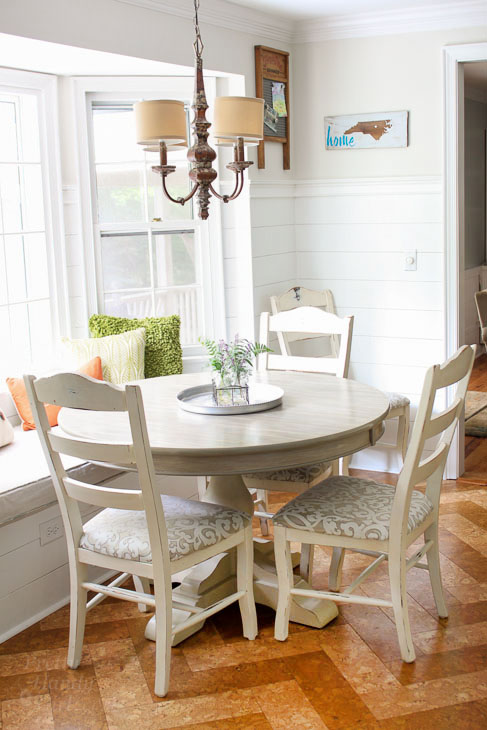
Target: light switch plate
column 410, row 260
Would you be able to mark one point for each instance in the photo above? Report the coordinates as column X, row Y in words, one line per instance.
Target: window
column 152, row 256
column 28, row 321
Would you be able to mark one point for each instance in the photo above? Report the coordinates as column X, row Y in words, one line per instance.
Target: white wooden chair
column 299, row 296
column 379, row 519
column 137, row 532
column 303, row 320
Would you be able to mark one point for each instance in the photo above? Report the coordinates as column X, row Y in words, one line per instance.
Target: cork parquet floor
column 348, row 675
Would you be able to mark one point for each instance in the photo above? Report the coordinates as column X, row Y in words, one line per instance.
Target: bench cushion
column 25, row 484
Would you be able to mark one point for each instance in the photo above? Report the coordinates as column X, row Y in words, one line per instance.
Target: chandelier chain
column 198, row 43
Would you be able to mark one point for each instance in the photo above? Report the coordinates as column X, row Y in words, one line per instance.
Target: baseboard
column 14, row 630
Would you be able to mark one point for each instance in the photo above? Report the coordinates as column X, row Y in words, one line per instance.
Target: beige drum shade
column 158, row 120
column 238, row 116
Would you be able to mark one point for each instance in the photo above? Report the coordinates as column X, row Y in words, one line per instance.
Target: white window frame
column 44, row 88
column 208, row 233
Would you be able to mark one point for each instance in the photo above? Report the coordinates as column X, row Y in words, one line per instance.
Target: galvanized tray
column 199, row 399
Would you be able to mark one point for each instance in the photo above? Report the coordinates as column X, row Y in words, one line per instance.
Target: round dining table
column 321, row 418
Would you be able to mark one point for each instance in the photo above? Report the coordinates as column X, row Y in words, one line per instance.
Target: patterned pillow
column 163, row 353
column 122, row 356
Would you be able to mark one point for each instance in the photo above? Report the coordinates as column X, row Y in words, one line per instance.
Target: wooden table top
column 321, row 417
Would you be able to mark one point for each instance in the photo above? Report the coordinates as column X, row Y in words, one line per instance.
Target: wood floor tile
column 257, row 721
column 286, row 706
column 450, row 638
column 356, row 661
column 28, row 713
column 427, row 695
column 184, row 713
column 442, row 664
column 76, row 700
column 464, row 716
column 470, row 593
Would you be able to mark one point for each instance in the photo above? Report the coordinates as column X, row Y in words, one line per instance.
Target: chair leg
column 285, row 581
column 336, row 565
column 163, row 598
column 77, row 615
column 263, row 500
column 345, row 464
column 403, row 432
column 245, row 582
column 202, row 483
column 142, row 585
column 397, row 578
column 306, row 562
column 433, row 558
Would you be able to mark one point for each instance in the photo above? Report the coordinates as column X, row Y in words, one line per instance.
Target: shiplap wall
column 74, row 261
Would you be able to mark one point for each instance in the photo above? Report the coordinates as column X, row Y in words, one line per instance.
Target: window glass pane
column 178, row 185
column 19, row 334
column 29, row 129
column 32, row 198
column 114, row 135
column 36, row 272
column 174, row 262
column 8, row 126
column 125, row 261
column 40, row 331
column 10, row 195
column 129, row 304
column 120, row 193
column 14, row 257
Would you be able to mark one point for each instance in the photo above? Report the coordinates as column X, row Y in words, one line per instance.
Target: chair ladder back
column 307, row 320
column 417, row 469
column 108, row 453
column 130, row 499
column 300, row 296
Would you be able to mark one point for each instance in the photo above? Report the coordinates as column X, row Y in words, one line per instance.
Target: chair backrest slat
column 300, row 296
column 73, row 390
column 130, row 499
column 119, row 454
column 440, row 423
column 307, row 320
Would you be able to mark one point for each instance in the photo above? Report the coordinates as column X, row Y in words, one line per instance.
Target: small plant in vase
column 232, row 364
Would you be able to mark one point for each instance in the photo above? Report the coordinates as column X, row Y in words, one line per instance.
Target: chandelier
column 238, row 121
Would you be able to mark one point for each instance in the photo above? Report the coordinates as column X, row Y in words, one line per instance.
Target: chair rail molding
column 410, row 185
column 453, row 200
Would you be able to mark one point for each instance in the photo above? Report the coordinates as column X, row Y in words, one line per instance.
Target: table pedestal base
column 215, row 579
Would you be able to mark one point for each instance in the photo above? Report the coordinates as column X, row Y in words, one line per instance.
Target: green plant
column 233, row 361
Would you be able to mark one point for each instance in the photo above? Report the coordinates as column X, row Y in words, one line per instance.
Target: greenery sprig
column 235, row 359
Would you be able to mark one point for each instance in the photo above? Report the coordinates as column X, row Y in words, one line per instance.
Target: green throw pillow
column 163, row 353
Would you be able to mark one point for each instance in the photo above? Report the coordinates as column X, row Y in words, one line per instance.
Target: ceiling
column 302, row 9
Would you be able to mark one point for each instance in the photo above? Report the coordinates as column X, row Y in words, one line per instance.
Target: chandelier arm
column 236, row 191
column 180, row 201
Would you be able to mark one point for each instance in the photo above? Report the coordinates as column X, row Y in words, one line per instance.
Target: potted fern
column 231, row 364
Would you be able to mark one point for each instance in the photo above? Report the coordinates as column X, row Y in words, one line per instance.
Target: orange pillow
column 18, row 392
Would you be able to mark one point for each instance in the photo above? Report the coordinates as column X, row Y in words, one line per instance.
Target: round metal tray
column 199, row 399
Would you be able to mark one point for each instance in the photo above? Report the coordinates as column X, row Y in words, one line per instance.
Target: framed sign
column 272, row 85
column 367, row 131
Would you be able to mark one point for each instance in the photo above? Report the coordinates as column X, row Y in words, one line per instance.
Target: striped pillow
column 122, row 356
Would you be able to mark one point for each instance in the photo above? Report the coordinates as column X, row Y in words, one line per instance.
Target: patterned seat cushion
column 191, row 526
column 397, row 400
column 349, row 506
column 299, row 474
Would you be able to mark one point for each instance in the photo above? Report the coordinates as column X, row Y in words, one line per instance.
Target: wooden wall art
column 272, row 85
column 367, row 131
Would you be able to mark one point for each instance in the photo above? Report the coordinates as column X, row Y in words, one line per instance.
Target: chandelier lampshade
column 160, row 120
column 238, row 117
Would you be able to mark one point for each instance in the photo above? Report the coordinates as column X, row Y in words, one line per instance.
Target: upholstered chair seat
column 349, row 506
column 191, row 526
column 306, row 475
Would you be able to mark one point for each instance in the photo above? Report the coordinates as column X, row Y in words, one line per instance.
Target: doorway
column 455, row 60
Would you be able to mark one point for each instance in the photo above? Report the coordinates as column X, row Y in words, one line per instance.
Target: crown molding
column 224, row 15
column 390, row 22
column 459, row 14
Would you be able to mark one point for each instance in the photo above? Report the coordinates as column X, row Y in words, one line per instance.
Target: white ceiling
column 302, row 9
